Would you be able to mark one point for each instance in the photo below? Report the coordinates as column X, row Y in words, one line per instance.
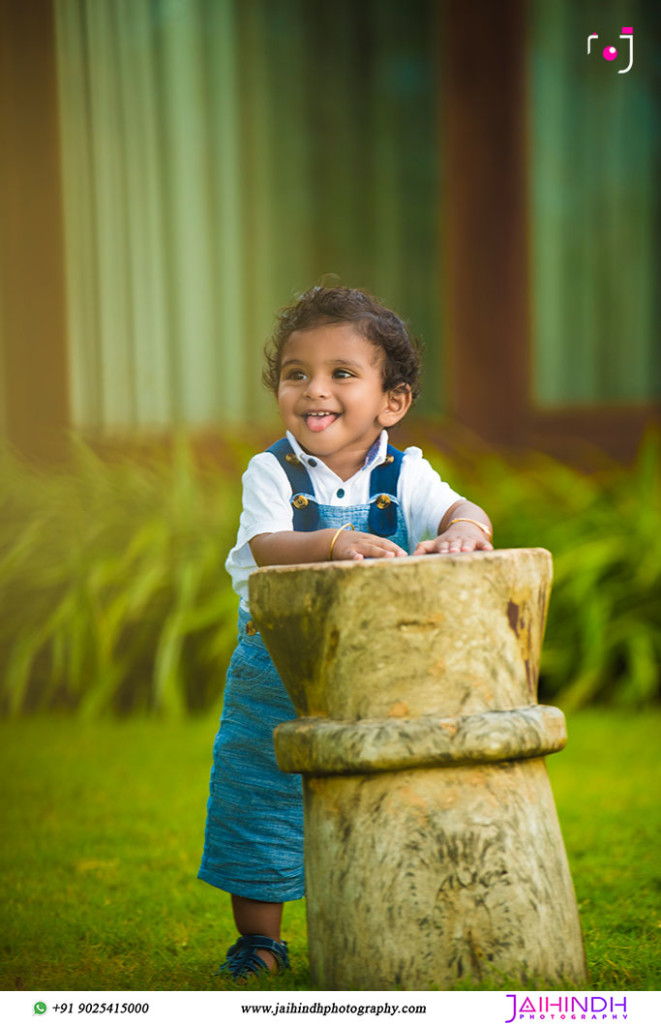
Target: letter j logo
column 609, row 53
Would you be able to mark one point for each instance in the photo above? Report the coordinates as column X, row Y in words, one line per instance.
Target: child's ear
column 398, row 403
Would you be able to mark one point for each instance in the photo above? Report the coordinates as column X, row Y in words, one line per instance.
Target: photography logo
column 580, row 1007
column 609, row 53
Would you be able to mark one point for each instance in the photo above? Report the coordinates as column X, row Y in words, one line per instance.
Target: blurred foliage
column 603, row 635
column 113, row 595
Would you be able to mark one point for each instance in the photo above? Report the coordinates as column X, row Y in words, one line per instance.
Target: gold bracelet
column 347, row 526
column 475, row 522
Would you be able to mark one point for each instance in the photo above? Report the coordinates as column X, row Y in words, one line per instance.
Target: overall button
column 300, row 501
column 383, row 501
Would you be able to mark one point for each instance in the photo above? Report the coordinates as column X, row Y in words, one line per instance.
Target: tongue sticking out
column 318, row 423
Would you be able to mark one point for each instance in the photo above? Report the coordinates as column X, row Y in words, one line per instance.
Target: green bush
column 113, row 595
column 603, row 635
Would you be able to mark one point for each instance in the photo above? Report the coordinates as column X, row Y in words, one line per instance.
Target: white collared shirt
column 423, row 497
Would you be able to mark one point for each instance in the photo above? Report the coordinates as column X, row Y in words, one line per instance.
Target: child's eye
column 342, row 374
column 294, row 375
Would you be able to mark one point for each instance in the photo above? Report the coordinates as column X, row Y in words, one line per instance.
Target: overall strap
column 383, row 494
column 306, row 513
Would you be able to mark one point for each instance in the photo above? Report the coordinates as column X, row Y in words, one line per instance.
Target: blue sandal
column 243, row 959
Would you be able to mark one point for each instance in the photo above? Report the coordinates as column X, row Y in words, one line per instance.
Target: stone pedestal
column 433, row 850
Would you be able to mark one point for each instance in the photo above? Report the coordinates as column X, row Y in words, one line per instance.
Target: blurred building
column 173, row 171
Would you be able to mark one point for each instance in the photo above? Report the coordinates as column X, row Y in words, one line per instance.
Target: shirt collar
column 375, row 456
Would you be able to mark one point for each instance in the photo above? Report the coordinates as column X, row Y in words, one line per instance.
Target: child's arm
column 461, row 535
column 289, row 547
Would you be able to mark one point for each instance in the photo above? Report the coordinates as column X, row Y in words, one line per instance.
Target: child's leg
column 252, row 917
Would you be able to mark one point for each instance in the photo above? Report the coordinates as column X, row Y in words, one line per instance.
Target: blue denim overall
column 253, row 844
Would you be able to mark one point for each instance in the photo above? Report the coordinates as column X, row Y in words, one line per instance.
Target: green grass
column 104, row 823
column 607, row 784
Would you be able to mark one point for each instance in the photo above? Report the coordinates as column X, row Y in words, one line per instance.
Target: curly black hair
column 373, row 320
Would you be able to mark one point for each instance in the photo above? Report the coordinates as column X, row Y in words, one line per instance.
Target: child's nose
column 318, row 387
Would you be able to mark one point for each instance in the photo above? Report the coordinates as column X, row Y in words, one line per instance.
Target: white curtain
column 220, row 156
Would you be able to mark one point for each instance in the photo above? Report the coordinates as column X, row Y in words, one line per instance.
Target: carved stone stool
column 432, row 845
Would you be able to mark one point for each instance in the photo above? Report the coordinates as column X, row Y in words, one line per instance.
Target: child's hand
column 353, row 545
column 459, row 537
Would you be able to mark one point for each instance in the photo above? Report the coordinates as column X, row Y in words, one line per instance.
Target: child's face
column 331, row 395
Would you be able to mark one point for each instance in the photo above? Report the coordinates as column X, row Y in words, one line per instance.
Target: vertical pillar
column 32, row 283
column 484, row 201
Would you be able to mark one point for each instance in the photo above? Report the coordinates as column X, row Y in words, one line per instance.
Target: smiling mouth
column 318, row 421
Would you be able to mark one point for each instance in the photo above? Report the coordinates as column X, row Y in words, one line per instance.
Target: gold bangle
column 347, row 526
column 475, row 522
